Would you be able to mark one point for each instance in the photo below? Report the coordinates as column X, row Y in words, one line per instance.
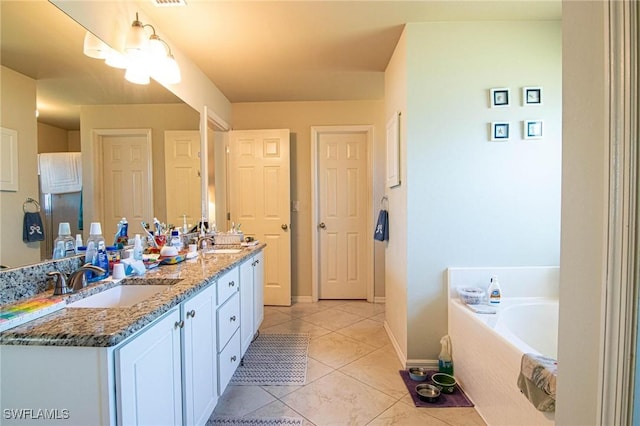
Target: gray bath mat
column 274, row 359
column 250, row 421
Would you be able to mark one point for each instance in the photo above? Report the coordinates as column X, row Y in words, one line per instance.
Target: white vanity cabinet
column 148, row 375
column 251, row 298
column 228, row 316
column 172, row 371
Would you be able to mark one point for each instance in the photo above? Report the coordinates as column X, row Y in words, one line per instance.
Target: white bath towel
column 60, row 172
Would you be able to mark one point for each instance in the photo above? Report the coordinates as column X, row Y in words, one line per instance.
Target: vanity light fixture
column 145, row 55
column 137, row 40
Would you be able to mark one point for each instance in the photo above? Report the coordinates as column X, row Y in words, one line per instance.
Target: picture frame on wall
column 532, row 129
column 499, row 97
column 531, row 96
column 393, row 151
column 500, row 131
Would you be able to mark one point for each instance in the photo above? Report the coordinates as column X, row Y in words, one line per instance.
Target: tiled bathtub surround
column 21, row 283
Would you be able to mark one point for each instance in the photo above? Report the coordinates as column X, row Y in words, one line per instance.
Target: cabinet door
column 246, row 304
column 258, row 289
column 148, row 376
column 199, row 356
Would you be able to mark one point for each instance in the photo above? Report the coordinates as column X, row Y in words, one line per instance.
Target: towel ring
column 384, row 201
column 28, row 202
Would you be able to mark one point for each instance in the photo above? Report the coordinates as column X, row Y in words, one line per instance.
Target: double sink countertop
column 104, row 327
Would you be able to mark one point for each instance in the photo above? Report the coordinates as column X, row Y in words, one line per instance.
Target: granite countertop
column 104, row 327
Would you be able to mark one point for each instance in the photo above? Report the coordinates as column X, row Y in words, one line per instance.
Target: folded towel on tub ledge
column 537, row 381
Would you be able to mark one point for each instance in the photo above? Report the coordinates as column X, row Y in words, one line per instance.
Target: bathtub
column 487, row 349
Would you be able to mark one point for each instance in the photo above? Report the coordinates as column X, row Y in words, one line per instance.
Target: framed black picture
column 500, row 131
column 499, row 97
column 531, row 96
column 532, row 129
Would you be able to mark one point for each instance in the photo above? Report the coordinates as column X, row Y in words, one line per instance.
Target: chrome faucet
column 204, row 239
column 78, row 279
column 60, row 286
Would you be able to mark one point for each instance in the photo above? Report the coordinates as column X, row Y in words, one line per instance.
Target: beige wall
column 158, row 118
column 584, row 211
column 52, row 139
column 18, row 107
column 396, row 256
column 299, row 117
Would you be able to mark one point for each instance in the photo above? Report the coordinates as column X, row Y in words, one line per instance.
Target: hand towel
column 382, row 226
column 32, row 228
column 60, row 172
column 537, row 381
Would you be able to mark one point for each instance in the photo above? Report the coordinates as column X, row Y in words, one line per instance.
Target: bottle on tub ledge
column 445, row 360
column 495, row 292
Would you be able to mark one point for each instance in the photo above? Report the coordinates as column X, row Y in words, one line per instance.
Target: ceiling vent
column 169, row 3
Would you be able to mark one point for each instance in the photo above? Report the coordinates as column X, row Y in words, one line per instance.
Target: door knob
column 322, row 225
column 284, row 226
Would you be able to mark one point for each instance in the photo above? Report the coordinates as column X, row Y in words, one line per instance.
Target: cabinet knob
column 232, row 283
column 233, row 358
column 191, row 313
column 232, row 319
column 284, row 226
column 179, row 324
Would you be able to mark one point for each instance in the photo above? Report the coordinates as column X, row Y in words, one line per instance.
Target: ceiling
column 252, row 51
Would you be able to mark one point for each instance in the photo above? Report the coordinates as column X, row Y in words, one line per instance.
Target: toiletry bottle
column 495, row 293
column 97, row 252
column 176, row 241
column 445, row 362
column 68, row 243
column 137, row 248
column 78, row 243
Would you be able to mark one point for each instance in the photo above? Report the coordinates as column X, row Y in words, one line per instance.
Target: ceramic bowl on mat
column 427, row 392
column 445, row 382
column 418, row 374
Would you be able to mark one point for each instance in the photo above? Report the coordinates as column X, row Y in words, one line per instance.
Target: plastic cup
column 118, row 271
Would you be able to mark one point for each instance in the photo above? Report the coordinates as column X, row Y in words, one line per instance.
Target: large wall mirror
column 85, row 105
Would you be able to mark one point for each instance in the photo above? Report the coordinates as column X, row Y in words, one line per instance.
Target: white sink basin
column 121, row 296
column 224, row 251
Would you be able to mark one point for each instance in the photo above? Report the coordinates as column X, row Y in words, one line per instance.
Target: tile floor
column 347, row 338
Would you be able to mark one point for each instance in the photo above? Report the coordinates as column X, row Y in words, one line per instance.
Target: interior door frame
column 98, row 135
column 316, row 132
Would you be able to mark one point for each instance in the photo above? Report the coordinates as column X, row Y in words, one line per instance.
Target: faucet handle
column 60, row 286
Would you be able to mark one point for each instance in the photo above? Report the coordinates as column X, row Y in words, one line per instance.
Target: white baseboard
column 302, row 299
column 401, row 356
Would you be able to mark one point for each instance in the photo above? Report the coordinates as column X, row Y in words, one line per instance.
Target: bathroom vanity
column 163, row 359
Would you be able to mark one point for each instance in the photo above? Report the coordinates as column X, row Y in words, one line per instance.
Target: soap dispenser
column 495, row 292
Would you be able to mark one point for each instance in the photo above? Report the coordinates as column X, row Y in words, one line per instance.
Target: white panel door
column 259, row 199
column 182, row 176
column 148, row 376
column 342, row 190
column 126, row 182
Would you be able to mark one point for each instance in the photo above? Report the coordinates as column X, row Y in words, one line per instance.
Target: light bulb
column 93, row 47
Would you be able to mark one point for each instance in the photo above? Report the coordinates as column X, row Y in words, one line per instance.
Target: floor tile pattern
column 348, row 342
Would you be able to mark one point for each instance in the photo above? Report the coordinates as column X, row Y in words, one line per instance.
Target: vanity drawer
column 228, row 361
column 228, row 284
column 228, row 320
